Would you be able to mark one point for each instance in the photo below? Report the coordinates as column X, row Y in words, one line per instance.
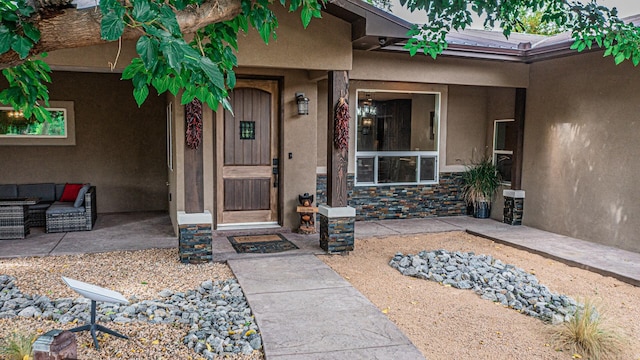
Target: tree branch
column 71, row 28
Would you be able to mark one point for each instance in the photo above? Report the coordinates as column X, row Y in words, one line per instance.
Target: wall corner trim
column 519, row 194
column 194, row 218
column 336, row 212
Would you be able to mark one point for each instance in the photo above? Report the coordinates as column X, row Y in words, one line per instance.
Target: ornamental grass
column 588, row 336
column 18, row 346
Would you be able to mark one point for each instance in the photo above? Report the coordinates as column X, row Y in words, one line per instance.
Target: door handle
column 275, row 170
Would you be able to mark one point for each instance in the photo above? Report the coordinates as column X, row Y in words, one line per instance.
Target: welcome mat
column 261, row 244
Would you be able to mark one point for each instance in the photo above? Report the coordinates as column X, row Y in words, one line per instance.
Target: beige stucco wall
column 581, row 150
column 467, row 124
column 324, row 45
column 444, row 70
column 120, row 148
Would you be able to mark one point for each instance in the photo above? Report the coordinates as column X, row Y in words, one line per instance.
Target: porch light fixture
column 303, row 104
column 15, row 114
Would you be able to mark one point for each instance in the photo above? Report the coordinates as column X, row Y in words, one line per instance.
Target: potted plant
column 481, row 181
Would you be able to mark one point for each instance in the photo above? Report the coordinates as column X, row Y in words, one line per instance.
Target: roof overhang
column 377, row 30
column 372, row 28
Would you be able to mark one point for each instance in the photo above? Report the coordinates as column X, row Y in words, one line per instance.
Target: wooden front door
column 247, row 155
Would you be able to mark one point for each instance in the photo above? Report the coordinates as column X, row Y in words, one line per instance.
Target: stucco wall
column 120, row 148
column 581, row 150
column 467, row 123
column 324, row 45
column 444, row 70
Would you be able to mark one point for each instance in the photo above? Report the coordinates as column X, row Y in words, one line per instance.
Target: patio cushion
column 80, row 199
column 59, row 191
column 44, row 191
column 64, row 208
column 8, row 191
column 41, row 205
column 70, row 192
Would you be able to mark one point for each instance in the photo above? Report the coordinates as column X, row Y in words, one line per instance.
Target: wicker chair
column 64, row 217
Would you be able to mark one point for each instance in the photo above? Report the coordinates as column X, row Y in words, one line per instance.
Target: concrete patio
column 143, row 230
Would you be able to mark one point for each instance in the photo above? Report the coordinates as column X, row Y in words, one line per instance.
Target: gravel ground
column 443, row 322
column 448, row 323
column 141, row 273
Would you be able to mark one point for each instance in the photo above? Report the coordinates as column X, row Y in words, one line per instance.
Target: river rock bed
column 220, row 320
column 491, row 279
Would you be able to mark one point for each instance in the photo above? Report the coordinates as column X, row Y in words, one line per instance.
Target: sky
column 625, row 8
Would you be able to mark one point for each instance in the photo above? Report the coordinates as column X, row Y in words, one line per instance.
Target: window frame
column 47, row 140
column 435, row 154
column 497, row 152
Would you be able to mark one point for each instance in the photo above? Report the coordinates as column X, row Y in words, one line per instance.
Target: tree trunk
column 71, row 28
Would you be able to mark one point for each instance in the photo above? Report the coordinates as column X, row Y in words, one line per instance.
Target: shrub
column 17, row 346
column 588, row 335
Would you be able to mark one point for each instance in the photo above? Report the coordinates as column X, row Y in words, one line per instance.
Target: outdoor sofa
column 50, row 212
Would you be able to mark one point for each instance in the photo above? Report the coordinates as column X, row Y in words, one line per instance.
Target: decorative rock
column 30, row 311
column 217, row 312
column 491, row 279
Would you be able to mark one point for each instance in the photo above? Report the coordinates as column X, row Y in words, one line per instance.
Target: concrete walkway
column 306, row 311
column 606, row 260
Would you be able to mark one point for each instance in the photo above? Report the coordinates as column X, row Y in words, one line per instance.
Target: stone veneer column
column 513, row 206
column 194, row 241
column 337, row 227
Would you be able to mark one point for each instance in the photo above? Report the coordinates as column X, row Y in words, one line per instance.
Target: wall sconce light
column 303, row 104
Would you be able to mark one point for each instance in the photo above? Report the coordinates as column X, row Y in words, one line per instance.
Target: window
column 15, row 129
column 504, row 137
column 397, row 140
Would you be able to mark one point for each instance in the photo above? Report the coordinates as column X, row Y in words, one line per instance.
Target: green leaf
column 174, row 85
column 140, row 94
column 305, row 14
column 231, row 79
column 168, row 18
column 227, row 105
column 161, row 84
column 147, row 48
column 140, row 79
column 111, row 26
column 42, row 114
column 22, row 46
column 213, row 72
column 172, row 51
column 142, row 11
column 31, row 31
column 619, row 58
column 132, row 69
column 5, row 39
column 188, row 95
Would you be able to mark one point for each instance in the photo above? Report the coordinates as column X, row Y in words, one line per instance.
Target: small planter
column 482, row 210
column 481, row 181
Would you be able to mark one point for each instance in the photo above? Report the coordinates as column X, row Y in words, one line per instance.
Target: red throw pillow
column 70, row 192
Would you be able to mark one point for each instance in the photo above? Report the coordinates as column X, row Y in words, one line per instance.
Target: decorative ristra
column 193, row 116
column 341, row 136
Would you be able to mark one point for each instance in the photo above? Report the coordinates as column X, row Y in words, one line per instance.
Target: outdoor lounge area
column 55, row 207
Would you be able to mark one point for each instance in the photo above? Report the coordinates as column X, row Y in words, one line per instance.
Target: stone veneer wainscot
column 194, row 238
column 402, row 201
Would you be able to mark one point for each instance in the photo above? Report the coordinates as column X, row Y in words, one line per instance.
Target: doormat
column 261, row 244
